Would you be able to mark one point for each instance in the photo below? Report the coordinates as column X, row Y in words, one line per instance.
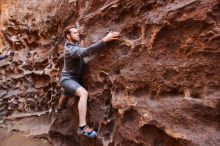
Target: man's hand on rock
column 110, row 37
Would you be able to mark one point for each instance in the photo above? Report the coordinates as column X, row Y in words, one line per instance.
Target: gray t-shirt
column 73, row 59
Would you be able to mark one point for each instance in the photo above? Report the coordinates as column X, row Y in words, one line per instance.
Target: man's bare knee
column 81, row 92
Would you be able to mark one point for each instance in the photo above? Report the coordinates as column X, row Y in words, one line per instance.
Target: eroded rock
column 158, row 85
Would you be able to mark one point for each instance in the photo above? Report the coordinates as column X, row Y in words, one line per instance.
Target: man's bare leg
column 82, row 105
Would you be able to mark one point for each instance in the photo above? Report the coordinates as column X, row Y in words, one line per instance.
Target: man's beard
column 75, row 39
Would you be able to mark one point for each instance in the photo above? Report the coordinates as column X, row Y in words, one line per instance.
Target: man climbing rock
column 72, row 73
column 7, row 55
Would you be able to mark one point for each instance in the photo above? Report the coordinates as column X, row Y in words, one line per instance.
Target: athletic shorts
column 70, row 86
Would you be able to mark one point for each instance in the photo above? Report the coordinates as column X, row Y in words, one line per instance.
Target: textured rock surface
column 157, row 86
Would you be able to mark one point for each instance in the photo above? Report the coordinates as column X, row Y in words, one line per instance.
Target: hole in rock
column 106, row 130
column 169, row 73
column 141, row 91
column 131, row 118
column 124, row 13
column 196, row 94
column 40, row 65
column 123, row 51
column 171, row 92
column 146, row 8
column 216, row 9
column 133, row 32
column 152, row 135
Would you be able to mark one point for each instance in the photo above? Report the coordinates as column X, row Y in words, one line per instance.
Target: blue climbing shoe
column 88, row 132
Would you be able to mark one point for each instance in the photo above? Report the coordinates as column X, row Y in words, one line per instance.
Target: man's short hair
column 66, row 31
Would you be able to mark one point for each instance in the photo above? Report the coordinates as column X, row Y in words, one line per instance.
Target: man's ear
column 68, row 36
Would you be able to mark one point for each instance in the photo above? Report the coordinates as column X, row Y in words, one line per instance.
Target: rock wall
column 157, row 86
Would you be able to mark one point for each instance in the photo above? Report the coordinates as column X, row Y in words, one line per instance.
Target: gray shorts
column 70, row 86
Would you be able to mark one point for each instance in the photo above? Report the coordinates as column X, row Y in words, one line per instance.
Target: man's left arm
column 94, row 48
column 102, row 43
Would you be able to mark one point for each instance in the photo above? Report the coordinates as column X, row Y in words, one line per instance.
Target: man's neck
column 72, row 42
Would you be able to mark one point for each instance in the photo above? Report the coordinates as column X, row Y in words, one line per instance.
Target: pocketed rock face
column 157, row 86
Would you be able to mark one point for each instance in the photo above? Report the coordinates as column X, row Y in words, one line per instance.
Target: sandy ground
column 18, row 139
column 19, row 129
